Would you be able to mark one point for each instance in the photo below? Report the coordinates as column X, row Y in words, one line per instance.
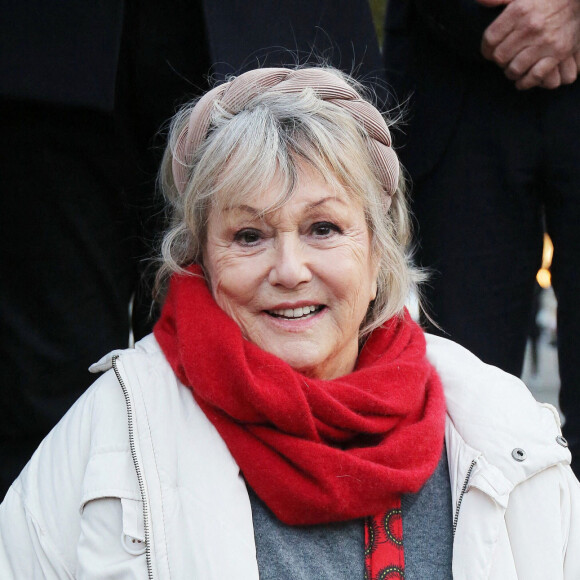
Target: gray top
column 428, row 527
column 336, row 551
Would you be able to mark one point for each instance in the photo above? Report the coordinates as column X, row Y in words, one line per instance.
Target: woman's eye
column 324, row 229
column 247, row 237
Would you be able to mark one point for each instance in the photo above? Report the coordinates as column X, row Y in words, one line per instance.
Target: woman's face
column 298, row 281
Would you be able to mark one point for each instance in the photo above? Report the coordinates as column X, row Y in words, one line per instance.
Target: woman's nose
column 290, row 265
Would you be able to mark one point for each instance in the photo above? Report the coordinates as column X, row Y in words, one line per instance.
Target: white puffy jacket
column 135, row 482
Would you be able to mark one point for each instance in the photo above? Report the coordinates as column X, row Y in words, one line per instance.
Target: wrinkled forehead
column 270, row 193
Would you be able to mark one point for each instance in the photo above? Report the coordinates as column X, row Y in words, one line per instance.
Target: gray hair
column 270, row 136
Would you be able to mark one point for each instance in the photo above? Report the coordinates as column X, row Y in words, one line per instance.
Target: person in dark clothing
column 489, row 164
column 84, row 89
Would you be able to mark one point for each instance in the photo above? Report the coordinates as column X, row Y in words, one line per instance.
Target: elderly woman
column 286, row 419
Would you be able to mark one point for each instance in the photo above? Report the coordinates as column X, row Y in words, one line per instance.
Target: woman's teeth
column 294, row 312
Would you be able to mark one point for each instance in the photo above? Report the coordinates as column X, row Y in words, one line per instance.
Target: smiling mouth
column 294, row 313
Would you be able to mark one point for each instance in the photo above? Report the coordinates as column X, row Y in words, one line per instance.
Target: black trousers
column 512, row 165
column 78, row 214
column 67, row 240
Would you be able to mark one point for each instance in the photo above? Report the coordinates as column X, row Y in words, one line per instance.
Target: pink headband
column 234, row 95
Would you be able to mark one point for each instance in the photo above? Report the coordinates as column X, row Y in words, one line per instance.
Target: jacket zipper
column 463, row 490
column 137, row 469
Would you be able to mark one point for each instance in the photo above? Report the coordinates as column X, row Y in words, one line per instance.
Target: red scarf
column 314, row 451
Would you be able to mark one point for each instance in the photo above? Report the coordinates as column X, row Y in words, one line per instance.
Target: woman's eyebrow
column 254, row 212
column 324, row 200
column 244, row 208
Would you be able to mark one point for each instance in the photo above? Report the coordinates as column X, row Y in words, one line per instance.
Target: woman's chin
column 306, row 357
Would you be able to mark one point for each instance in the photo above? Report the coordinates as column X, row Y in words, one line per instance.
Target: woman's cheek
column 233, row 290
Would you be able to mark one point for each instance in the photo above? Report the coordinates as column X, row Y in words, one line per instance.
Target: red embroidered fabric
column 384, row 554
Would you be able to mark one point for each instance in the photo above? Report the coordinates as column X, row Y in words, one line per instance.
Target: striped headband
column 234, row 95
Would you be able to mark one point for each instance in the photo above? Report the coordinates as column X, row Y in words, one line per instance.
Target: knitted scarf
column 315, row 451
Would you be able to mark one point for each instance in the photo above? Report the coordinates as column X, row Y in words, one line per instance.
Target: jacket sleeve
column 543, row 524
column 572, row 544
column 40, row 516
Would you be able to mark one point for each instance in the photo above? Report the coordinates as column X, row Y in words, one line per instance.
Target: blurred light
column 543, row 276
column 548, row 252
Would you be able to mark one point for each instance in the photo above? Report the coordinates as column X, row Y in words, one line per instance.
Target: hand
column 548, row 74
column 564, row 74
column 535, row 41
